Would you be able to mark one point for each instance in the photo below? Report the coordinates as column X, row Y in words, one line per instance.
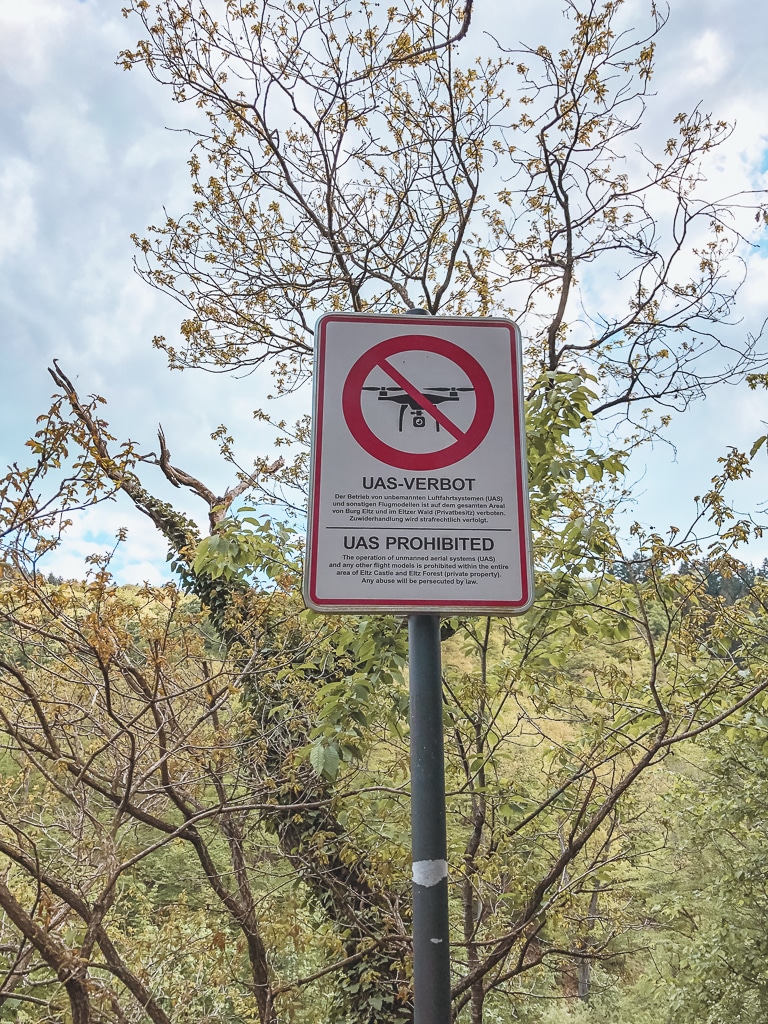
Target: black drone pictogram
column 406, row 401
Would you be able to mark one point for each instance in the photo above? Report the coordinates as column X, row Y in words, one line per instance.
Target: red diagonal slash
column 424, row 402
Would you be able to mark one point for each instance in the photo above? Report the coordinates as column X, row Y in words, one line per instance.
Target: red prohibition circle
column 466, row 442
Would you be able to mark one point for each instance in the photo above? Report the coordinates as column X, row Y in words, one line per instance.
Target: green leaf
column 757, row 446
column 331, row 762
column 317, row 758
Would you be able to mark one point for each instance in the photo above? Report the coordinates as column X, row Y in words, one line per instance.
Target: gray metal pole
column 431, row 953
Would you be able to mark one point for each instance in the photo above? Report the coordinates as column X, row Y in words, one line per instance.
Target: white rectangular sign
column 418, row 490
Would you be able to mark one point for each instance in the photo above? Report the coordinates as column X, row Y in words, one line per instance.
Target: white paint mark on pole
column 436, row 941
column 429, row 872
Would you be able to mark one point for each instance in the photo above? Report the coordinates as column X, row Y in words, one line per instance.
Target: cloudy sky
column 87, row 157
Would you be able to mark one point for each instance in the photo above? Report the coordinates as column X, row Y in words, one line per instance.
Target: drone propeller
column 382, row 387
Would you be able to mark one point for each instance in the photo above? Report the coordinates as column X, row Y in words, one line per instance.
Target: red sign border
column 351, row 403
column 373, row 605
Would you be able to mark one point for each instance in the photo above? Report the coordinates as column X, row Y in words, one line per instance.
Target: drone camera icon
column 407, row 402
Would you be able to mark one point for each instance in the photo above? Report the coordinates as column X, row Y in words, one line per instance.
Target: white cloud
column 29, row 33
column 141, row 556
column 706, row 59
column 18, row 218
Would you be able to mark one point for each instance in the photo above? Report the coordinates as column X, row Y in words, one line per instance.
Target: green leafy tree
column 711, row 937
column 279, row 739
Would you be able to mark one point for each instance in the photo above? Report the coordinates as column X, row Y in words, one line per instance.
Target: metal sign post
column 419, row 505
column 429, row 839
column 431, row 952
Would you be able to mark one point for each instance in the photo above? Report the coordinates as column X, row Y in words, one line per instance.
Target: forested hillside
column 199, row 832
